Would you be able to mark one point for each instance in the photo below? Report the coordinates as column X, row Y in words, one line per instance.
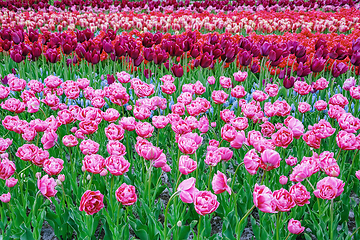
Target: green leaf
column 26, row 235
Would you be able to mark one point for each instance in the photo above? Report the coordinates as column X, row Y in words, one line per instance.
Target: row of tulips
column 234, row 22
column 83, row 54
column 173, row 5
column 163, row 157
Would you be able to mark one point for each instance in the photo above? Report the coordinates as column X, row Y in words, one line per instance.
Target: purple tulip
column 317, row 65
column 303, row 70
column 6, row 45
column 355, row 58
column 195, row 51
column 245, row 58
column 338, row 52
column 110, row 79
column 177, row 70
column 52, row 55
column 265, row 49
column 288, row 82
column 107, row 46
column 149, row 54
column 147, row 40
column 338, row 69
column 138, row 61
column 206, row 60
column 33, row 35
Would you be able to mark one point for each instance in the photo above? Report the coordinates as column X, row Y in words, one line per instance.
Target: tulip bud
column 88, row 177
column 37, row 175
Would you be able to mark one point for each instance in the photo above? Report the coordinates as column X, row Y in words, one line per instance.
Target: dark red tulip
column 134, row 52
column 17, row 36
column 149, row 54
column 6, row 45
column 356, row 44
column 119, row 49
column 88, row 34
column 320, row 42
column 338, row 69
column 338, row 52
column 255, row 68
column 317, row 65
column 5, row 34
column 195, row 51
column 80, row 51
column 265, row 49
column 147, row 73
column 303, row 70
column 355, row 58
column 35, row 51
column 111, row 34
column 33, row 35
column 52, row 55
column 206, row 60
column 69, row 62
column 107, row 46
column 300, row 51
column 147, row 40
column 288, row 82
column 93, row 57
column 160, row 56
column 322, row 52
column 157, row 38
column 80, row 35
column 245, row 58
column 110, row 79
column 138, row 61
column 177, row 70
column 16, row 55
column 187, row 45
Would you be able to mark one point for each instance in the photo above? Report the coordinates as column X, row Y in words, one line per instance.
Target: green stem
column 233, row 181
column 242, row 219
column 318, row 201
column 199, row 227
column 177, row 182
column 352, row 164
column 166, row 212
column 149, row 190
column 354, row 233
column 278, row 225
column 288, row 236
column 209, row 178
column 331, row 219
column 92, row 175
column 263, row 177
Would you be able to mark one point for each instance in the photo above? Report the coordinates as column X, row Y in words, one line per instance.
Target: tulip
column 206, row 60
column 317, row 65
column 177, row 70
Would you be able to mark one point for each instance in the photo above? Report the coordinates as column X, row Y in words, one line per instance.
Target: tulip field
column 172, row 119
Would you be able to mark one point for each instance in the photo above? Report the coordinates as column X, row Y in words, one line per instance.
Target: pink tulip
column 117, row 165
column 329, row 188
column 48, row 139
column 283, row 180
column 284, row 200
column 5, row 198
column 11, row 182
column 126, row 194
column 94, row 163
column 219, row 183
column 263, row 199
column 188, row 190
column 357, row 174
column 300, row 194
column 47, row 186
column 186, row 165
column 89, row 147
column 252, row 161
column 270, row 159
column 294, row 226
column 53, row 166
column 205, row 202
